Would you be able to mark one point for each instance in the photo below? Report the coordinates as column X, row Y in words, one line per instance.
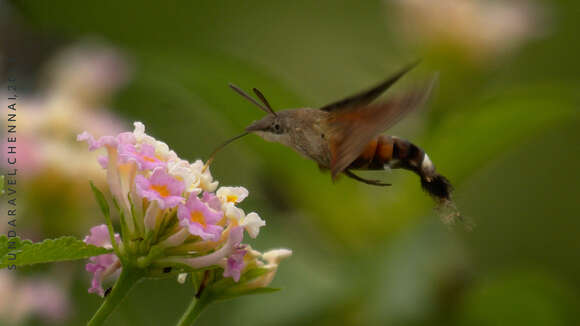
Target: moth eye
column 277, row 128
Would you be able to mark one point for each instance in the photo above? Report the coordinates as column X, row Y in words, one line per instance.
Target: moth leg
column 367, row 181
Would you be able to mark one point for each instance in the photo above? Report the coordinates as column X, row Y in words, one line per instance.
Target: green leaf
column 101, row 200
column 107, row 213
column 262, row 290
column 18, row 252
column 228, row 284
column 124, row 228
column 232, row 293
column 15, row 244
column 1, row 185
column 227, row 288
column 253, row 273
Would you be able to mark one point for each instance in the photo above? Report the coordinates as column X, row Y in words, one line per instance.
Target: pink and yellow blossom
column 173, row 205
column 160, row 187
column 200, row 219
column 235, row 263
column 103, row 265
column 144, row 157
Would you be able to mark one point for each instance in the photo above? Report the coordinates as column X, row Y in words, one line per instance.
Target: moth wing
column 351, row 130
column 367, row 96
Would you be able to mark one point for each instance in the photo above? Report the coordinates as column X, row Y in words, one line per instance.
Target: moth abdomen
column 397, row 153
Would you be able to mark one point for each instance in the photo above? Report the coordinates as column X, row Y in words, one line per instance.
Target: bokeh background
column 502, row 124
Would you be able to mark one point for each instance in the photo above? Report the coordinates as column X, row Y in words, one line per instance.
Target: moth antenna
column 264, row 100
column 251, row 99
column 224, row 144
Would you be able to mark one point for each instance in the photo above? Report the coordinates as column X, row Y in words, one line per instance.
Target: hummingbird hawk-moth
column 345, row 136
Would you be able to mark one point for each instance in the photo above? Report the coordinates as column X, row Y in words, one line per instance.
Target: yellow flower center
column 161, row 190
column 149, row 159
column 231, row 198
column 156, row 157
column 197, row 217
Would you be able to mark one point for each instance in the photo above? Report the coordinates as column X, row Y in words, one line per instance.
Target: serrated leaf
column 14, row 244
column 14, row 251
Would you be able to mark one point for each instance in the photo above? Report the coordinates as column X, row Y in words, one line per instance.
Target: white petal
column 232, row 194
column 139, row 131
column 275, row 256
column 206, row 180
column 207, row 184
column 181, row 278
column 252, row 223
column 233, row 212
column 182, row 170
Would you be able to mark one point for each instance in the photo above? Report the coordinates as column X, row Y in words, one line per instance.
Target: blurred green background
column 502, row 125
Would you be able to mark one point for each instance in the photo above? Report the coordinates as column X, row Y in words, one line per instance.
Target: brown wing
column 368, row 95
column 352, row 129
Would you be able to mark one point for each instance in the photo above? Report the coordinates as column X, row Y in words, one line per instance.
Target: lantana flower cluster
column 173, row 216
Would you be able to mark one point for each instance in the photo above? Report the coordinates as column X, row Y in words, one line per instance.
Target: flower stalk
column 196, row 306
column 128, row 278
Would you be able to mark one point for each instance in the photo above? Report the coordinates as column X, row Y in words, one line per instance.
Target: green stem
column 128, row 278
column 195, row 308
